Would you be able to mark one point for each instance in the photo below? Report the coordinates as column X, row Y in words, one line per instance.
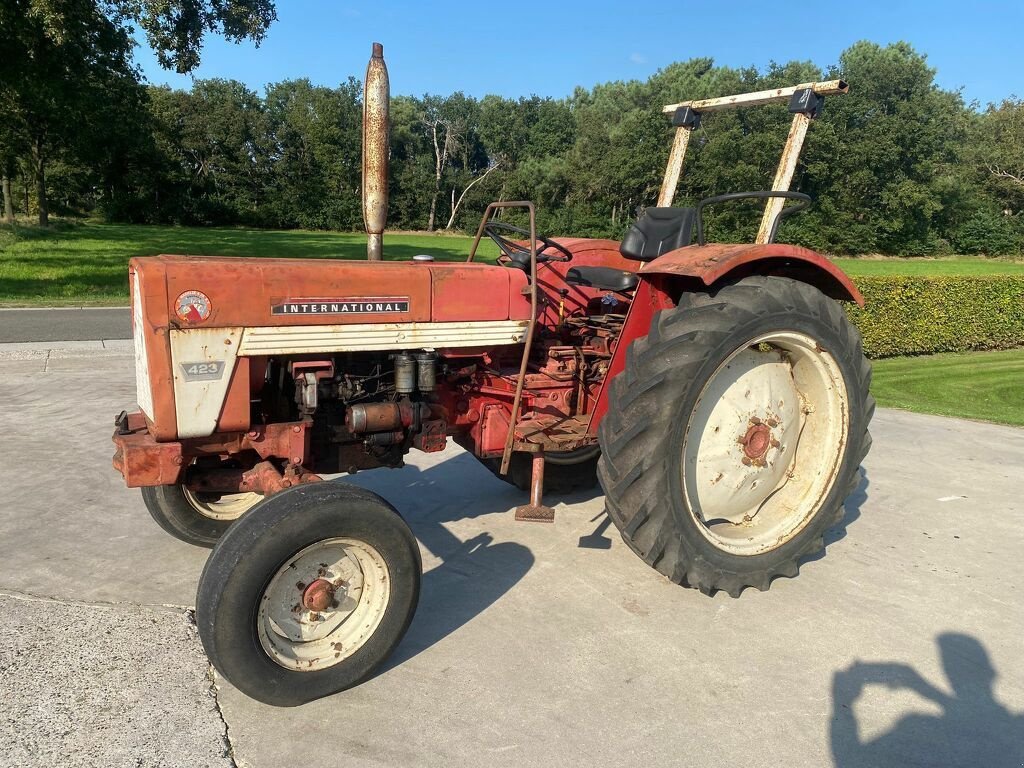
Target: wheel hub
column 756, row 441
column 318, row 596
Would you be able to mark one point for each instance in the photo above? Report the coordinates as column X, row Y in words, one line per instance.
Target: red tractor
column 718, row 393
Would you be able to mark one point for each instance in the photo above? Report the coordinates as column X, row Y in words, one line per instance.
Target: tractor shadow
column 472, row 574
column 475, row 573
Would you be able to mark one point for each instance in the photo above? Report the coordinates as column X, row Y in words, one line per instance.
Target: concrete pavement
column 527, row 648
column 127, row 685
column 65, row 324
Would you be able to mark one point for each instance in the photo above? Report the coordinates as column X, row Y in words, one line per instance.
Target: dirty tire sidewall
column 252, row 551
column 172, row 511
column 651, row 404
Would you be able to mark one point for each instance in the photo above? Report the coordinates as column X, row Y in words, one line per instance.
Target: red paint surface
column 649, row 300
column 143, row 461
column 710, row 263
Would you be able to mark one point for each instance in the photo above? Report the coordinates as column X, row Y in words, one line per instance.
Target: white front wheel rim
column 765, row 443
column 227, row 506
column 323, row 604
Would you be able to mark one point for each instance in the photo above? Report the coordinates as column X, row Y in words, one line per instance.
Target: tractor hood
column 196, row 319
column 208, row 291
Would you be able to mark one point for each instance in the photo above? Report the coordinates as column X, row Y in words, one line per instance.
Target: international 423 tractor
column 717, row 392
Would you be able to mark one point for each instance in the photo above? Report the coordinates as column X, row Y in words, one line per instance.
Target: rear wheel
column 308, row 593
column 735, row 433
column 195, row 517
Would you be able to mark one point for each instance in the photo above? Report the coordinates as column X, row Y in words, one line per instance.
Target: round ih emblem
column 193, row 306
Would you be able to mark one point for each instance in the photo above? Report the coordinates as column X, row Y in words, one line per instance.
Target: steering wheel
column 518, row 255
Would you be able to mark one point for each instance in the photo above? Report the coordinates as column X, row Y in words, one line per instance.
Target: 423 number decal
column 205, row 371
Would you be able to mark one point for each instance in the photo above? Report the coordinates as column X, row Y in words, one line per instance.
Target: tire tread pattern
column 633, row 465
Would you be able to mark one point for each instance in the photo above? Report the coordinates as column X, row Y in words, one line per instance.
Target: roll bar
column 805, row 102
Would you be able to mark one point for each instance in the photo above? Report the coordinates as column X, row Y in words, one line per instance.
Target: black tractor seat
column 657, row 231
column 605, row 278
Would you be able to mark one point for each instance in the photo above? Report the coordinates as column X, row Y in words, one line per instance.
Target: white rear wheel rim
column 306, row 640
column 228, row 506
column 765, row 443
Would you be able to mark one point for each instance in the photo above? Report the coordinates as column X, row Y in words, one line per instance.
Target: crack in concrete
column 229, row 745
column 34, row 598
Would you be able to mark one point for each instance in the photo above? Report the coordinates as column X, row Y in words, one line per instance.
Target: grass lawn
column 976, row 385
column 953, row 265
column 76, row 264
column 85, row 263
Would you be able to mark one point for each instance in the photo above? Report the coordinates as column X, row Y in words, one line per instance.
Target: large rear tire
column 735, row 433
column 308, row 593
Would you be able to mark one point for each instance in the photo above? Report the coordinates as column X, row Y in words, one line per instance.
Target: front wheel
column 196, row 517
column 735, row 433
column 308, row 593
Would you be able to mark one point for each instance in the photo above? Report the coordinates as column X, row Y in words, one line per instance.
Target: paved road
column 73, row 324
column 900, row 646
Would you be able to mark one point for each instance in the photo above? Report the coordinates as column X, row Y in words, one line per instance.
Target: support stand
column 535, row 511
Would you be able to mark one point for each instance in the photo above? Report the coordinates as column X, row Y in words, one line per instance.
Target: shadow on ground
column 973, row 728
column 473, row 574
column 851, row 512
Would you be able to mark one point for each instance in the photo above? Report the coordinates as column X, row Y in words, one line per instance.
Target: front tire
column 735, row 433
column 308, row 593
column 194, row 517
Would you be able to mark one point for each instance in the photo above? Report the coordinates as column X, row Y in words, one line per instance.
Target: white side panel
column 296, row 339
column 143, row 386
column 203, row 360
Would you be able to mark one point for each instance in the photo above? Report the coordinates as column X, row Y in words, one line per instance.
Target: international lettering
column 347, row 306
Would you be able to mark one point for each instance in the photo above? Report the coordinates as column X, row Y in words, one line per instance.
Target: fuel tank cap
column 422, row 257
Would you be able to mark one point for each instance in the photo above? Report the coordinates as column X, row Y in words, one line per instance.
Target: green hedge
column 906, row 315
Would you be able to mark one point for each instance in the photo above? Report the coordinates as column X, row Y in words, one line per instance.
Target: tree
column 998, row 143
column 9, row 150
column 451, row 127
column 473, row 182
column 175, row 29
column 65, row 60
column 215, row 140
column 877, row 160
column 313, row 144
column 46, row 107
column 445, row 132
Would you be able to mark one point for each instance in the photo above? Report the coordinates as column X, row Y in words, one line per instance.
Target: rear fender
column 698, row 266
column 719, row 261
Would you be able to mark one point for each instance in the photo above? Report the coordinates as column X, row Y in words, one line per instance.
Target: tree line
column 897, row 166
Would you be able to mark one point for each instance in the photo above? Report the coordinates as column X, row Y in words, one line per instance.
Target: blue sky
column 548, row 48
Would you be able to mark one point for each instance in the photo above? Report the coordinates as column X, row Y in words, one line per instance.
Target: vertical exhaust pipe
column 376, row 119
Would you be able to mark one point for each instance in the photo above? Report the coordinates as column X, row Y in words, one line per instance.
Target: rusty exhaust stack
column 376, row 123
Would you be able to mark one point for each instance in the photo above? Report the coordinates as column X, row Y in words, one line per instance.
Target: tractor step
column 554, row 432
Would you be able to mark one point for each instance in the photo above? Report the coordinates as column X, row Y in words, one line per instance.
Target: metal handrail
column 805, row 200
column 506, row 456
